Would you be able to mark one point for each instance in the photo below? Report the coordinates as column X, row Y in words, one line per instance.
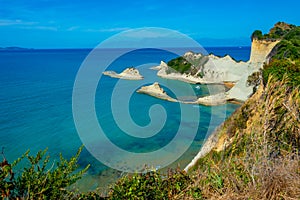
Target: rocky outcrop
column 215, row 70
column 157, row 91
column 129, row 74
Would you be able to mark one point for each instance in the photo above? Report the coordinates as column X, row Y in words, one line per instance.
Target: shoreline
column 207, row 146
column 156, row 91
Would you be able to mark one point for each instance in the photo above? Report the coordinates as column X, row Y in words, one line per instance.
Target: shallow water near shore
column 36, row 107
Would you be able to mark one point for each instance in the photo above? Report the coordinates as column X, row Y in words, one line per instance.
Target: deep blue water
column 36, row 104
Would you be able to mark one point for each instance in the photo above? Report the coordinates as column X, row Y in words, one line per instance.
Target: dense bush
column 39, row 180
column 279, row 31
column 283, row 68
column 151, row 185
column 257, row 34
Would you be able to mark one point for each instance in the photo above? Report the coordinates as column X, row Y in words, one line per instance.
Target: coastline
column 156, row 91
column 207, row 146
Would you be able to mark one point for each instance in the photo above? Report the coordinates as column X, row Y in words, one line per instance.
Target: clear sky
column 84, row 24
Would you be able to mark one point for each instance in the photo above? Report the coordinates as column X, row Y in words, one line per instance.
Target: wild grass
column 262, row 160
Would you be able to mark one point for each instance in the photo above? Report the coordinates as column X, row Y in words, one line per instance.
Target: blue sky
column 84, row 24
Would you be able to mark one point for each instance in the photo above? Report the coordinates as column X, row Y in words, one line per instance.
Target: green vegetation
column 151, row 185
column 289, row 46
column 280, row 30
column 180, row 64
column 257, row 34
column 283, row 68
column 262, row 160
column 39, row 180
column 188, row 65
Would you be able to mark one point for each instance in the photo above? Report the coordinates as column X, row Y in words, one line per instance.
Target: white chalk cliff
column 208, row 69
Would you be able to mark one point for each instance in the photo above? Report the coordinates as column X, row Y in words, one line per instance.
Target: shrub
column 283, row 68
column 180, row 64
column 37, row 180
column 257, row 34
column 151, row 185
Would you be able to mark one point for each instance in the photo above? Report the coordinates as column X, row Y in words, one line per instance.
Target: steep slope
column 256, row 152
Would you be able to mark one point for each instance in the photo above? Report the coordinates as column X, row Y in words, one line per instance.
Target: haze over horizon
column 77, row 24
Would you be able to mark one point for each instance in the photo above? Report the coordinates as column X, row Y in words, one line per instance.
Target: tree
column 257, row 35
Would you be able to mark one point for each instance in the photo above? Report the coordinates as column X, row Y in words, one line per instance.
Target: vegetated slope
column 258, row 151
column 257, row 154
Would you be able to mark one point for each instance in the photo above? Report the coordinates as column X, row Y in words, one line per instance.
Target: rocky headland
column 128, row 74
column 197, row 68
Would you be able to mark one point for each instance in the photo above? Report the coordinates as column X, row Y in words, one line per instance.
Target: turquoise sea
column 36, row 106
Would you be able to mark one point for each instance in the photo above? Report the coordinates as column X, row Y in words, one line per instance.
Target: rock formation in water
column 157, row 91
column 129, row 74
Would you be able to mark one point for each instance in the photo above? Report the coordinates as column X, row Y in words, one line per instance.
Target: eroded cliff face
column 260, row 49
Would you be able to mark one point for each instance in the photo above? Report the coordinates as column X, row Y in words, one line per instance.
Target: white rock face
column 159, row 67
column 224, row 69
column 129, row 74
column 215, row 69
column 260, row 49
column 157, row 91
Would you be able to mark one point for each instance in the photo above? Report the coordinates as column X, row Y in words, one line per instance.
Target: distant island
column 13, row 48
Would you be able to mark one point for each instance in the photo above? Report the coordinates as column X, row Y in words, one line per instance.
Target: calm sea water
column 36, row 106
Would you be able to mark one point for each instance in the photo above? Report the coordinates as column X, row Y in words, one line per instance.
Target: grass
column 261, row 160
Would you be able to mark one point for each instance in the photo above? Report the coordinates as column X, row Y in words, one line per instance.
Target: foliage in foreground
column 151, row 185
column 38, row 180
